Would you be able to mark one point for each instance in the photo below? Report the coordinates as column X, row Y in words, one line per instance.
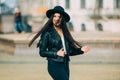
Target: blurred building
column 34, row 11
column 93, row 15
column 86, row 15
column 7, row 8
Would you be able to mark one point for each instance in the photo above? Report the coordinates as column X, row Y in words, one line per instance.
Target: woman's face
column 57, row 19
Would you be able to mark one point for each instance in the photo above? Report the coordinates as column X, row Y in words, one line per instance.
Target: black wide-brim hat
column 58, row 9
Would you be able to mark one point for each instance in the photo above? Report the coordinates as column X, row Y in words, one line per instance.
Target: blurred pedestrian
column 28, row 27
column 18, row 22
column 57, row 44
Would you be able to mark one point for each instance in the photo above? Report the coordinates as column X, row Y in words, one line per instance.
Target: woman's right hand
column 61, row 52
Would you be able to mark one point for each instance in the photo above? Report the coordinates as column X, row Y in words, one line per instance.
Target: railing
column 94, row 13
column 109, row 13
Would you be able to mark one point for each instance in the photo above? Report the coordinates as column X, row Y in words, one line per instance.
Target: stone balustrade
column 17, row 44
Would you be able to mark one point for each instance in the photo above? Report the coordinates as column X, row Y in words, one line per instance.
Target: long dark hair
column 68, row 36
column 64, row 28
column 43, row 30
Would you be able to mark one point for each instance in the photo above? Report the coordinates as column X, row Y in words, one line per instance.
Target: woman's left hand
column 85, row 49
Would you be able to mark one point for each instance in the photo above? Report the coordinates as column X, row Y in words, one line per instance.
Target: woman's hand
column 85, row 49
column 61, row 52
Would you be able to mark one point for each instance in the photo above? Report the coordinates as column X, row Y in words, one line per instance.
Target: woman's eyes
column 57, row 16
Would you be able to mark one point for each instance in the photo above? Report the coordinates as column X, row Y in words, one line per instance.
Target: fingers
column 61, row 52
column 85, row 49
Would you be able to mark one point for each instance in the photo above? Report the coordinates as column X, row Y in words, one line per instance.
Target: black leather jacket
column 51, row 42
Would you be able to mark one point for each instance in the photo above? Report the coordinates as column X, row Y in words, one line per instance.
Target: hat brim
column 52, row 11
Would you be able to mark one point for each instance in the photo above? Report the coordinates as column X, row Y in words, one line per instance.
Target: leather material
column 50, row 43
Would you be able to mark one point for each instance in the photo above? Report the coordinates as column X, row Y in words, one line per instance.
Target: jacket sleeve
column 43, row 47
column 75, row 51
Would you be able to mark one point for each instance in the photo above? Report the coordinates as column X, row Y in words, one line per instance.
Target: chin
column 56, row 25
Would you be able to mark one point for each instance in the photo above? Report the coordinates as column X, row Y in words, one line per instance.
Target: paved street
column 35, row 68
column 38, row 71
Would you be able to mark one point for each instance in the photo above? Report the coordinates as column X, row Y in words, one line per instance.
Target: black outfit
column 49, row 44
column 18, row 23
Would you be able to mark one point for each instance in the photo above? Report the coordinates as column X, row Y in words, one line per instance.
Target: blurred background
column 95, row 23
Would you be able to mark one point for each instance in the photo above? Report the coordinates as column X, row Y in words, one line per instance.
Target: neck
column 58, row 29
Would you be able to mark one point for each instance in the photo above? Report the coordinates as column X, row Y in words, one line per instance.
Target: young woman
column 57, row 44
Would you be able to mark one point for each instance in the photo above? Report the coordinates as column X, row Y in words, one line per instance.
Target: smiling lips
column 57, row 22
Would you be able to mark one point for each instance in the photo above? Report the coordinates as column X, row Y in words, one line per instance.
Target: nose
column 57, row 18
